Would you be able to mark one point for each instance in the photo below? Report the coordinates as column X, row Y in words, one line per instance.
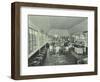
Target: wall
column 5, row 41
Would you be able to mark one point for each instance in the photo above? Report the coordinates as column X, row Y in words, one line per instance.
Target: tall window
column 36, row 39
column 32, row 43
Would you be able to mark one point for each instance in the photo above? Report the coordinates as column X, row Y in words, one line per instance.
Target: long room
column 57, row 40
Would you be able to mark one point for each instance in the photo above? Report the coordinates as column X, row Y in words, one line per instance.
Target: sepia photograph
column 57, row 40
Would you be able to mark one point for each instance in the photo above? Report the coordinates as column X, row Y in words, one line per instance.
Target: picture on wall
column 53, row 40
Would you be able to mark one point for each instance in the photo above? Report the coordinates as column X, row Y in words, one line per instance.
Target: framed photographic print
column 53, row 40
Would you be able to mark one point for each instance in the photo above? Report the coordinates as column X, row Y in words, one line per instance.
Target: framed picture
column 53, row 40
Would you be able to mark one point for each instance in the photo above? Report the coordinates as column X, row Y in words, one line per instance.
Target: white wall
column 5, row 41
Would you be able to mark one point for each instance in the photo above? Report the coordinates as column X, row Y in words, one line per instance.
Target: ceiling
column 48, row 23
